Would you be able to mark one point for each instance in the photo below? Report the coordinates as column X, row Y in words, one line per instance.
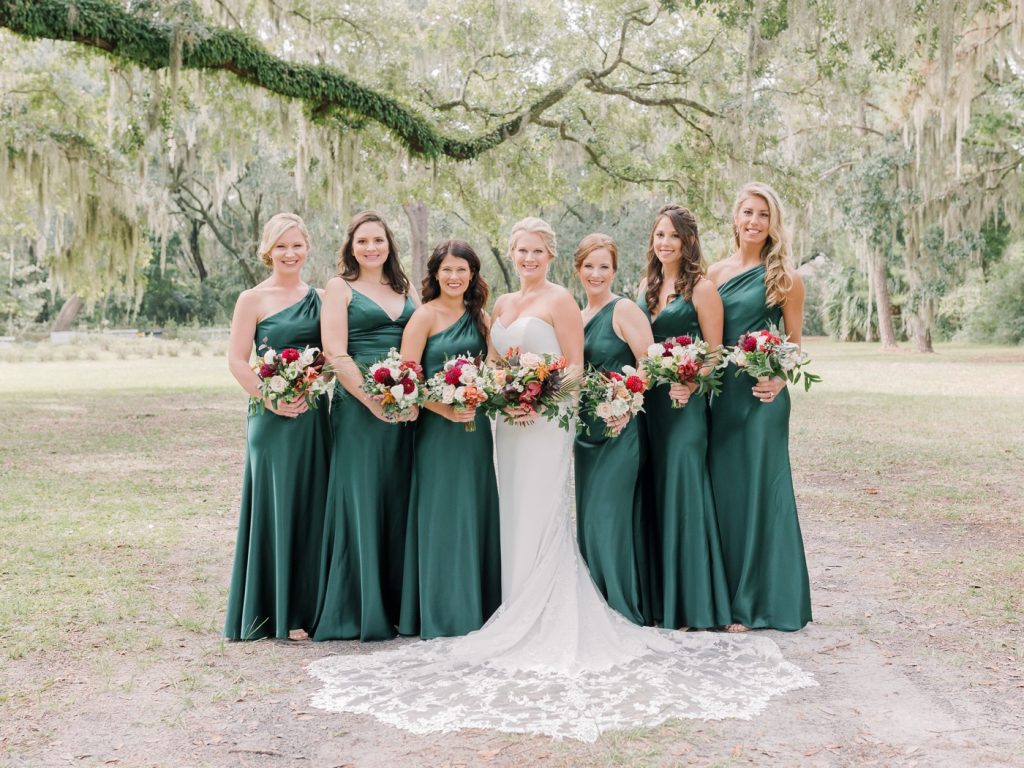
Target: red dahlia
column 289, row 355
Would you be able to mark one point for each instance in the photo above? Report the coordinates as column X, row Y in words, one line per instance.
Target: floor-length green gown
column 608, row 487
column 452, row 579
column 690, row 583
column 749, row 462
column 360, row 590
column 277, row 554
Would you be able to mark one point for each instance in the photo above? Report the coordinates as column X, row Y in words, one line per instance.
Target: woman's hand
column 458, row 415
column 680, row 393
column 767, row 391
column 290, row 409
column 521, row 415
column 377, row 410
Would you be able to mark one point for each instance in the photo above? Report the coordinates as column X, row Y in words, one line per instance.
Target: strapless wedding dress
column 554, row 659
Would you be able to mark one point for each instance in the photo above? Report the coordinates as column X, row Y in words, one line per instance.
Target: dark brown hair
column 691, row 267
column 349, row 267
column 475, row 297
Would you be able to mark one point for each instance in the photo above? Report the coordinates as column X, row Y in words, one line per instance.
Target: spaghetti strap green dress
column 690, row 575
column 360, row 592
column 452, row 581
column 277, row 552
column 750, row 472
column 608, row 487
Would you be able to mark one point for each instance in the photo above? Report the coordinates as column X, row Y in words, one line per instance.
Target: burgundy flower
column 687, row 370
column 749, row 343
column 685, row 340
column 408, row 386
column 266, row 371
column 289, row 355
column 381, row 376
column 634, row 384
column 452, row 375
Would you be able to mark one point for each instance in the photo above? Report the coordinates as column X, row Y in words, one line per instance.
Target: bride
column 554, row 659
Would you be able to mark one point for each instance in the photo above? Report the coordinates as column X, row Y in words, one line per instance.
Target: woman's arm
column 568, row 323
column 711, row 318
column 243, row 328
column 630, row 324
column 793, row 319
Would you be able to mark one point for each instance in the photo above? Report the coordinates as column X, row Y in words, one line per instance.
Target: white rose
column 397, row 392
column 395, row 373
column 278, row 384
column 448, row 393
column 656, row 351
column 530, row 360
column 628, row 370
column 469, row 374
column 619, row 407
column 604, row 411
column 268, row 356
column 460, row 394
column 638, row 401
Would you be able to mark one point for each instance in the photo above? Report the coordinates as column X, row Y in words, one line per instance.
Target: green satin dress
column 749, row 461
column 452, row 579
column 277, row 553
column 608, row 487
column 360, row 592
column 690, row 583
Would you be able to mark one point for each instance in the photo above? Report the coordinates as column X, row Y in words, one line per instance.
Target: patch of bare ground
column 122, row 527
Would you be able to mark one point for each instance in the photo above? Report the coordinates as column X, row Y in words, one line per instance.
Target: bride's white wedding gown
column 554, row 659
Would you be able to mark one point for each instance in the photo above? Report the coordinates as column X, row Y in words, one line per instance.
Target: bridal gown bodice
column 554, row 659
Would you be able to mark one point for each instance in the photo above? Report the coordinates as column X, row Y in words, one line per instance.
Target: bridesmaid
column 273, row 582
column 453, row 556
column 365, row 311
column 608, row 486
column 749, row 449
column 690, row 586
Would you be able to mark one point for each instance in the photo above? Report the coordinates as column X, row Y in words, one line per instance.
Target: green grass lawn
column 120, row 483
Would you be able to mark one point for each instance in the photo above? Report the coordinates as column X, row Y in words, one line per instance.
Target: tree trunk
column 499, row 259
column 68, row 313
column 418, row 214
column 882, row 301
column 194, row 249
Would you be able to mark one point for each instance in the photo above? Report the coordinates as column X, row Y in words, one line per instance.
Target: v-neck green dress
column 452, row 579
column 277, row 553
column 360, row 591
column 690, row 582
column 608, row 487
column 753, row 482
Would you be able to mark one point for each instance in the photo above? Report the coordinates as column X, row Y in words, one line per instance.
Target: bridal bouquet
column 767, row 353
column 612, row 395
column 288, row 375
column 463, row 382
column 682, row 360
column 531, row 383
column 396, row 384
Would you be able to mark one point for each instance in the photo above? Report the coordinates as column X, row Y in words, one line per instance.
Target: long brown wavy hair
column 775, row 251
column 475, row 297
column 349, row 267
column 692, row 265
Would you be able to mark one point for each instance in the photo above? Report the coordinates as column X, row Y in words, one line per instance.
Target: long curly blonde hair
column 775, row 251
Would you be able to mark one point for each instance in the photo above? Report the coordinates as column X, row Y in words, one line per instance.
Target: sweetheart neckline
column 523, row 317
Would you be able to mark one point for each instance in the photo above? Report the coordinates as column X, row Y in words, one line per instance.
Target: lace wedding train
column 554, row 659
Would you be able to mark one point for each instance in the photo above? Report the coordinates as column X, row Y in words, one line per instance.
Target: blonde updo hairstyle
column 775, row 251
column 276, row 226
column 594, row 242
column 535, row 226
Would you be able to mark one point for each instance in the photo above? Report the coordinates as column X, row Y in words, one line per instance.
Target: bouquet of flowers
column 612, row 395
column 463, row 382
column 767, row 353
column 396, row 384
column 533, row 383
column 287, row 375
column 682, row 360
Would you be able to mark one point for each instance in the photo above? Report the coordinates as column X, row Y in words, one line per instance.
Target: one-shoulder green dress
column 277, row 553
column 690, row 584
column 360, row 592
column 750, row 472
column 608, row 487
column 452, row 579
